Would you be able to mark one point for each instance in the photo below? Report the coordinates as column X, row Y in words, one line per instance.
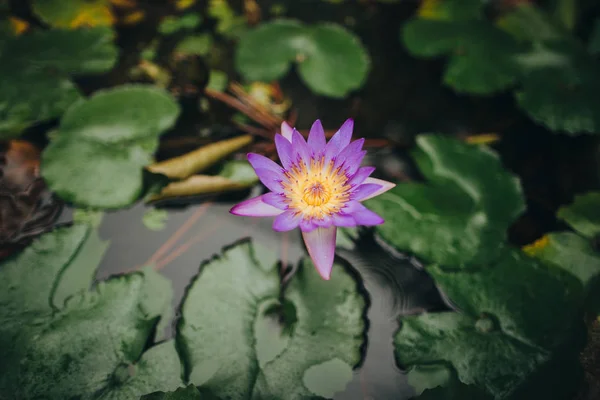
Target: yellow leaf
column 198, row 185
column 534, row 248
column 198, row 160
column 484, row 138
column 183, row 4
column 18, row 25
column 133, row 18
column 429, row 9
column 124, row 3
column 74, row 14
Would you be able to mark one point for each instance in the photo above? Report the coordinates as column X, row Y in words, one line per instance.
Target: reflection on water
column 193, row 234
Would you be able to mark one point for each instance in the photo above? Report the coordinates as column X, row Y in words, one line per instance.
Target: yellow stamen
column 318, row 190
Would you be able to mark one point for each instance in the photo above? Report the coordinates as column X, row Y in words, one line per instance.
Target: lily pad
column 189, row 392
column 459, row 216
column 584, row 214
column 481, row 55
column 47, row 58
column 74, row 14
column 572, row 253
column 529, row 301
column 331, row 60
column 113, row 134
column 155, row 219
column 106, row 329
column 492, row 360
column 323, row 327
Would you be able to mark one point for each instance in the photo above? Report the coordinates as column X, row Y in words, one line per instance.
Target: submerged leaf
column 155, row 219
column 188, row 393
column 322, row 328
column 198, row 160
column 459, row 217
column 331, row 60
column 47, row 58
column 113, row 134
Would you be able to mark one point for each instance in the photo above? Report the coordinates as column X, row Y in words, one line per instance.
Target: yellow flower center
column 316, row 190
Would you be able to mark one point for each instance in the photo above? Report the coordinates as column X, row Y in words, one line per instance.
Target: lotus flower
column 319, row 187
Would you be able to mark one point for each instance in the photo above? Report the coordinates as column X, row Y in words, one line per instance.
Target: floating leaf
column 228, row 23
column 90, row 347
column 113, row 134
column 459, row 217
column 531, row 303
column 82, row 269
column 188, row 393
column 217, row 80
column 331, row 60
column 155, row 219
column 486, row 359
column 322, row 328
column 195, row 45
column 198, row 160
column 171, row 24
column 88, row 216
column 584, row 214
column 74, row 14
column 481, row 55
column 448, row 387
column 47, row 58
column 572, row 253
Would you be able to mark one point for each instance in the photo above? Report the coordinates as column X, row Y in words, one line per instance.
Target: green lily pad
column 483, row 356
column 113, row 134
column 572, row 253
column 36, row 67
column 445, row 384
column 481, row 55
column 172, row 24
column 563, row 98
column 584, row 214
column 322, row 328
column 459, row 216
column 155, row 219
column 92, row 346
column 331, row 60
column 530, row 302
column 74, row 13
column 189, row 392
column 195, row 45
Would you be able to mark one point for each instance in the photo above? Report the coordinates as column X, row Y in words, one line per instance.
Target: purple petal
column 307, row 225
column 300, row 148
column 287, row 221
column 255, row 207
column 316, row 137
column 276, row 200
column 385, row 186
column 364, row 191
column 261, row 162
column 360, row 176
column 367, row 217
column 343, row 220
column 340, row 140
column 351, row 157
column 353, row 206
column 269, row 178
column 323, row 223
column 320, row 244
column 286, row 131
column 284, row 151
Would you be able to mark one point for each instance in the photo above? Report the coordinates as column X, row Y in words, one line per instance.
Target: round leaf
column 460, row 216
column 584, row 214
column 331, row 60
column 73, row 14
column 230, row 351
column 103, row 143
